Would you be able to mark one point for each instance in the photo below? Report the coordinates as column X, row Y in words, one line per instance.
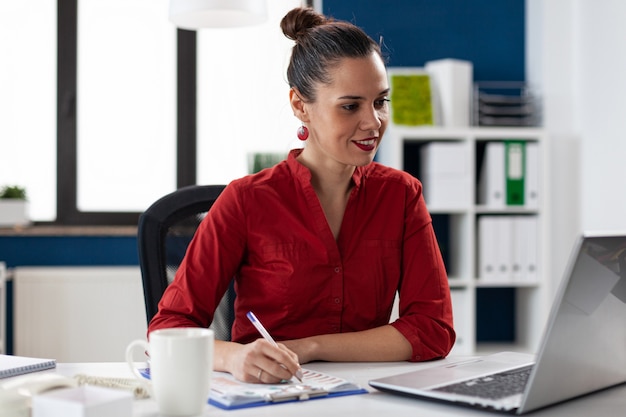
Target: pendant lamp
column 198, row 14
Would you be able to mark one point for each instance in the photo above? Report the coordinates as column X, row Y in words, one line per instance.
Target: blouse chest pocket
column 287, row 267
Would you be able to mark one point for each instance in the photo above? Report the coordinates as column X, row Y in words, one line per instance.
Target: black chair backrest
column 164, row 232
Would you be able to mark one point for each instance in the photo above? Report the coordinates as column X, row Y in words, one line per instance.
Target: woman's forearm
column 381, row 344
column 222, row 353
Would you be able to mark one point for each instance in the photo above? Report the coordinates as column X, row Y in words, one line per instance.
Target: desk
column 610, row 402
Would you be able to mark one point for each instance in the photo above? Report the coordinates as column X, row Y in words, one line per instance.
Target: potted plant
column 13, row 206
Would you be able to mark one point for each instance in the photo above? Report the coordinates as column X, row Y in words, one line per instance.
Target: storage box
column 445, row 175
column 85, row 401
column 452, row 84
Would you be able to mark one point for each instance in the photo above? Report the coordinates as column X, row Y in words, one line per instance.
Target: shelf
column 480, row 209
column 458, row 282
column 455, row 133
column 513, row 284
column 511, row 312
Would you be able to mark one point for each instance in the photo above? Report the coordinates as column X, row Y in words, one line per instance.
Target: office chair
column 164, row 232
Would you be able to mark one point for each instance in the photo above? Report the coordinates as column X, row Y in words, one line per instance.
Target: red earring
column 303, row 133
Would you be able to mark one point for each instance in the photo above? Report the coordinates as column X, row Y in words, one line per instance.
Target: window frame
column 67, row 163
column 67, row 212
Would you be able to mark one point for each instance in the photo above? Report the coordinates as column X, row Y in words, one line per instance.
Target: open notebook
column 582, row 349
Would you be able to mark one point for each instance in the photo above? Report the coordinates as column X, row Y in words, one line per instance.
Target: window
column 126, row 107
column 243, row 96
column 28, row 102
column 106, row 98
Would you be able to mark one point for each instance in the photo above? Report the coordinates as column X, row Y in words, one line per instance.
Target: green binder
column 514, row 167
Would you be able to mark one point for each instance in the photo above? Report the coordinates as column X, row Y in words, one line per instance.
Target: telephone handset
column 34, row 384
column 16, row 393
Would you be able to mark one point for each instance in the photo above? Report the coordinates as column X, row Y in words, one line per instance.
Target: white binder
column 492, row 181
column 528, row 229
column 519, row 247
column 525, row 253
column 504, row 249
column 496, row 249
column 531, row 186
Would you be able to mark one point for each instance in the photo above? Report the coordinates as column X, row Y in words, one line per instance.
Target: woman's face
column 349, row 116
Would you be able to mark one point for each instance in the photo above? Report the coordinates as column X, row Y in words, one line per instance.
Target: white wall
column 576, row 59
column 603, row 112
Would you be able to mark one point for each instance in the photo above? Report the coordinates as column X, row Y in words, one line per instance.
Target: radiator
column 77, row 314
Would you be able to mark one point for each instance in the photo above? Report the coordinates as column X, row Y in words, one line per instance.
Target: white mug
column 181, row 361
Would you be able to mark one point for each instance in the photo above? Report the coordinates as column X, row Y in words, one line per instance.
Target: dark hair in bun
column 321, row 43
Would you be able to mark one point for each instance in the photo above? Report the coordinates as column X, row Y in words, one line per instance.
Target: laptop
column 583, row 348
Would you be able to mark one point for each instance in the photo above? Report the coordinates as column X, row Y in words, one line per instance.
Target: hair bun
column 298, row 21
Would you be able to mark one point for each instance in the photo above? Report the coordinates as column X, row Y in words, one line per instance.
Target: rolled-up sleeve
column 425, row 310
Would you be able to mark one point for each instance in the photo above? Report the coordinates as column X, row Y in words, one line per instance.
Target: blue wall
column 68, row 250
column 489, row 33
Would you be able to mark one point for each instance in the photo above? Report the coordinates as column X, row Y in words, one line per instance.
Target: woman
column 320, row 243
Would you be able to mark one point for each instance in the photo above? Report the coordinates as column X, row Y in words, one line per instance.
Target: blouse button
column 337, row 300
column 337, row 269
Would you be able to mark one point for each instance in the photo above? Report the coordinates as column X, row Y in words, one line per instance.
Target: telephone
column 16, row 393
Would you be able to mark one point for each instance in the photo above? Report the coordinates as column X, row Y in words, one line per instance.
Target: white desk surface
column 610, row 402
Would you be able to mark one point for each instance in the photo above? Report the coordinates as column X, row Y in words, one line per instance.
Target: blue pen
column 257, row 324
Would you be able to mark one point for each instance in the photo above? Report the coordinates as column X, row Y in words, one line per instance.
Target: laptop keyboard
column 493, row 387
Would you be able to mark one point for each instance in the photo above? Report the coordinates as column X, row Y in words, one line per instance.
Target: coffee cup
column 181, row 361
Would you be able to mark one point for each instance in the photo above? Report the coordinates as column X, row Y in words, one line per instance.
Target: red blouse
column 268, row 231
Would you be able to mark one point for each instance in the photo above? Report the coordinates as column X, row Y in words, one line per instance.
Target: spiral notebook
column 18, row 365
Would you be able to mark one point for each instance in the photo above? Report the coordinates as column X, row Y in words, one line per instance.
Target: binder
column 519, row 247
column 527, row 236
column 495, row 249
column 531, row 185
column 491, row 186
column 487, row 241
column 504, row 249
column 514, row 166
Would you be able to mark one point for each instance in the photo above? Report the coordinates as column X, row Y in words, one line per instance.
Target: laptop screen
column 583, row 348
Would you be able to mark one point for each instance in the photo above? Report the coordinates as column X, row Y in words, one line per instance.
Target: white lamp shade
column 198, row 14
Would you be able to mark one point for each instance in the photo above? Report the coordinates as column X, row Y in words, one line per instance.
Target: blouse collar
column 304, row 174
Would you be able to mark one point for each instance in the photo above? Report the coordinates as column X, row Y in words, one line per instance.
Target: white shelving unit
column 401, row 146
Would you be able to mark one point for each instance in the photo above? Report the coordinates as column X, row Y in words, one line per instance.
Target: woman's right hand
column 257, row 362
